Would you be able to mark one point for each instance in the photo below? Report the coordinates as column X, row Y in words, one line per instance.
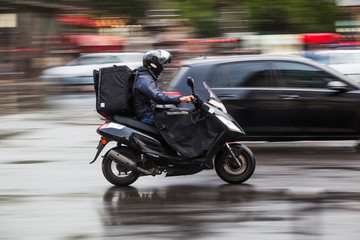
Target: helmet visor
column 165, row 57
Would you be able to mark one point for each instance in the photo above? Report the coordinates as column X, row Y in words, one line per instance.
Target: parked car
column 277, row 98
column 345, row 61
column 80, row 70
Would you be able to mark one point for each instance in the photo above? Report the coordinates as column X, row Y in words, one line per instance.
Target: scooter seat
column 136, row 124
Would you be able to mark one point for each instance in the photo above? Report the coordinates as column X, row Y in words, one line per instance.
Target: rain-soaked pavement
column 48, row 190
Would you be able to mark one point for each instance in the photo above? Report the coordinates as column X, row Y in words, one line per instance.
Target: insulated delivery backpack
column 113, row 90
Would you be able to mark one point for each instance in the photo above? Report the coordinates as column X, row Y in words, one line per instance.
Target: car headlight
column 229, row 124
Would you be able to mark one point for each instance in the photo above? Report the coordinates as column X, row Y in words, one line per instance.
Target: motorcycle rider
column 145, row 89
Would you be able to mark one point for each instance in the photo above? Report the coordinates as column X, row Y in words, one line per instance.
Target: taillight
column 173, row 93
column 102, row 125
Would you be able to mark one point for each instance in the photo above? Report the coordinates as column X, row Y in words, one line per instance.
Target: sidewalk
column 14, row 124
column 21, row 94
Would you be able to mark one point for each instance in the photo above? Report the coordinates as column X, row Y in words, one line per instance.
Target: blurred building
column 349, row 23
column 37, row 34
column 27, row 31
column 23, row 27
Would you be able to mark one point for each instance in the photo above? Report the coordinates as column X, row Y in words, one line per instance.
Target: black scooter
column 144, row 150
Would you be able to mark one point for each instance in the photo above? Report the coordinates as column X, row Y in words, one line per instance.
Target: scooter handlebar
column 197, row 101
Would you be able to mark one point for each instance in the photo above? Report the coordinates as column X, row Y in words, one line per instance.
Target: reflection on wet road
column 176, row 212
column 48, row 190
column 228, row 212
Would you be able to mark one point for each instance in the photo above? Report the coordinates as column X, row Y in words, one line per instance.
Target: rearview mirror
column 191, row 82
column 338, row 86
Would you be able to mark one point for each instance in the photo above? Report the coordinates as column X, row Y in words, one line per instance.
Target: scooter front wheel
column 229, row 170
column 116, row 173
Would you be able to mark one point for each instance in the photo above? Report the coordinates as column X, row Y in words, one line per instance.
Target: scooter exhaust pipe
column 126, row 162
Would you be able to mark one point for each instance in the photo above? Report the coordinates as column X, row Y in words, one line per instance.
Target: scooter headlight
column 229, row 124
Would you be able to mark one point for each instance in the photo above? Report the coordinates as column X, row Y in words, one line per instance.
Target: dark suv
column 277, row 98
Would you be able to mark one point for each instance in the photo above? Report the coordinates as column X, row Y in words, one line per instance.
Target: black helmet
column 155, row 59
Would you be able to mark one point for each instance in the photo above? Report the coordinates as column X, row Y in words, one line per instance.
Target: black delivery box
column 113, row 90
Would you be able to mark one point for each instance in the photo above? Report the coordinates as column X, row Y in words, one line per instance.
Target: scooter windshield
column 214, row 100
column 212, row 94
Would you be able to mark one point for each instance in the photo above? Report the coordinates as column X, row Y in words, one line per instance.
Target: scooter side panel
column 131, row 137
column 121, row 133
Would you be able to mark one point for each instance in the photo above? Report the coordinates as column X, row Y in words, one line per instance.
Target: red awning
column 89, row 22
column 313, row 38
column 77, row 20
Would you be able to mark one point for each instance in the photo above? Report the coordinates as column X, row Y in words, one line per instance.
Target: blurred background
column 38, row 35
column 48, row 49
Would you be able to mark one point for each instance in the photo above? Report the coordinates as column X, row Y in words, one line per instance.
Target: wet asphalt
column 48, row 190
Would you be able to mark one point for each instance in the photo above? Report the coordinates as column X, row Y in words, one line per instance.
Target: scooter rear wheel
column 115, row 173
column 229, row 170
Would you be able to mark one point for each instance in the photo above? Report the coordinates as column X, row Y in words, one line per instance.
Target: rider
column 146, row 91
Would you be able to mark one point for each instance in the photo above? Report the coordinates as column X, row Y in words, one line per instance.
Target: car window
column 298, row 75
column 244, row 74
column 218, row 77
column 178, row 77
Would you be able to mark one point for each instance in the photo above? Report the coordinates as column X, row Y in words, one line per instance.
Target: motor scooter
column 184, row 141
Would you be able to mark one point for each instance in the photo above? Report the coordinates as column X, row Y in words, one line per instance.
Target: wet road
column 48, row 190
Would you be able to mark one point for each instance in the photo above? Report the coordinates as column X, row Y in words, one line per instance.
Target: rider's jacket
column 147, row 94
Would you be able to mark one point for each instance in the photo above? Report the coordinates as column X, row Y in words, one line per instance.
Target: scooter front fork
column 233, row 154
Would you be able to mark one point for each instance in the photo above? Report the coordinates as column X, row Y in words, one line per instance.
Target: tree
column 292, row 16
column 202, row 14
column 263, row 16
column 133, row 9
